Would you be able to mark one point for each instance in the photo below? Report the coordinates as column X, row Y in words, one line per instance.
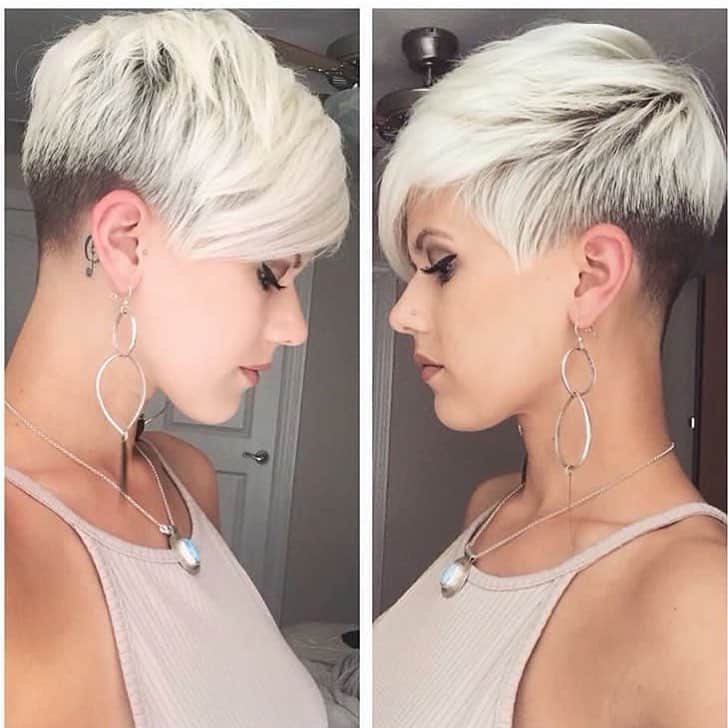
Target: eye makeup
column 443, row 267
column 267, row 278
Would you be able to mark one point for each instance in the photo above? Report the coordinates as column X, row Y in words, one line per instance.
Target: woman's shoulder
column 52, row 621
column 193, row 467
column 487, row 493
column 685, row 558
column 680, row 606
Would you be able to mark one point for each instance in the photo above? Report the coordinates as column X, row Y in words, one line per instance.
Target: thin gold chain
column 474, row 557
column 76, row 459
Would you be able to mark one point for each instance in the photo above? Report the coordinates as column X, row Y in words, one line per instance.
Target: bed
column 333, row 664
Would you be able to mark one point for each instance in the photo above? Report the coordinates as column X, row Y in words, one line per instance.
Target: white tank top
column 196, row 650
column 457, row 662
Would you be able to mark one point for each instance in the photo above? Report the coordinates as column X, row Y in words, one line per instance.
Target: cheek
column 477, row 324
column 498, row 342
column 193, row 328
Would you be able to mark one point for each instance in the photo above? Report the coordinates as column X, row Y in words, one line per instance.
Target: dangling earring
column 578, row 396
column 123, row 431
column 143, row 421
column 524, row 466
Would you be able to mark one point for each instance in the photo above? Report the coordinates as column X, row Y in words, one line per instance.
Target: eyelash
column 267, row 278
column 443, row 267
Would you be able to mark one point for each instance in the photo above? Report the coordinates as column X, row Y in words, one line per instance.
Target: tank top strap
column 554, row 591
column 37, row 491
column 644, row 525
column 41, row 494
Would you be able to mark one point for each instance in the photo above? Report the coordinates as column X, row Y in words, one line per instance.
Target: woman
column 546, row 201
column 181, row 179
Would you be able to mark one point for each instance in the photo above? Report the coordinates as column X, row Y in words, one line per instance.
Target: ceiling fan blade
column 298, row 56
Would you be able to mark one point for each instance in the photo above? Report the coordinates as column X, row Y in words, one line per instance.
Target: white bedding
column 334, row 666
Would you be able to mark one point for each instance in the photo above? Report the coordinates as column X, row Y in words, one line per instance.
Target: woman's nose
column 287, row 325
column 406, row 315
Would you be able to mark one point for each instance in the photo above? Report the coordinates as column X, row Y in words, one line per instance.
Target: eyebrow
column 424, row 233
column 297, row 260
column 420, row 238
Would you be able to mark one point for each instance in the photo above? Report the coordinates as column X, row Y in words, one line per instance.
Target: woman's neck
column 628, row 430
column 51, row 380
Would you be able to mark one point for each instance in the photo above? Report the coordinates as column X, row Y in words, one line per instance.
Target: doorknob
column 261, row 456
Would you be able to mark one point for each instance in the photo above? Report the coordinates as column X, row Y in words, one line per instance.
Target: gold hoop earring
column 578, row 396
column 118, row 353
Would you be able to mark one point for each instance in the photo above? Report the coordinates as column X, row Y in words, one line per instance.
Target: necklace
column 189, row 557
column 456, row 573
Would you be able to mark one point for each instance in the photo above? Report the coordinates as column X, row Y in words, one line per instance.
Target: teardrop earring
column 127, row 353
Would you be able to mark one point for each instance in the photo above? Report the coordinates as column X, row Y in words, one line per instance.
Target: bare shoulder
column 488, row 493
column 680, row 605
column 25, row 635
column 58, row 643
column 194, row 467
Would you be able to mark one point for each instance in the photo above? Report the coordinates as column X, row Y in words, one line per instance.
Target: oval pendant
column 454, row 577
column 189, row 556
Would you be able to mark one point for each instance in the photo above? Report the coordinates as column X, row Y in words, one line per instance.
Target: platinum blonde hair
column 192, row 111
column 559, row 128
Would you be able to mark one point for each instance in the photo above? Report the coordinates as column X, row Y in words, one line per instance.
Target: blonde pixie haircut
column 557, row 129
column 192, row 111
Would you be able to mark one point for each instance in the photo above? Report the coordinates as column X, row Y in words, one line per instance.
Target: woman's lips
column 428, row 371
column 253, row 371
column 251, row 374
column 428, row 368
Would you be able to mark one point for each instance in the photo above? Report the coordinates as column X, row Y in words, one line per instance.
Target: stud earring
column 89, row 252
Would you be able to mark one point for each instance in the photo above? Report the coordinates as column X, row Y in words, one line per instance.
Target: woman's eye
column 267, row 278
column 444, row 268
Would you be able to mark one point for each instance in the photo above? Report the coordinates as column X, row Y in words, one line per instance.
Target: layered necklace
column 188, row 555
column 456, row 574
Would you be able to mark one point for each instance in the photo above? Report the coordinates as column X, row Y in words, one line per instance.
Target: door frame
column 285, row 451
column 384, row 294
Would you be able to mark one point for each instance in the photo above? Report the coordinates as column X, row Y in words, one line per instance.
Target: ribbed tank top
column 457, row 662
column 196, row 650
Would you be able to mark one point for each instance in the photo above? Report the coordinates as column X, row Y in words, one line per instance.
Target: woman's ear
column 115, row 225
column 604, row 258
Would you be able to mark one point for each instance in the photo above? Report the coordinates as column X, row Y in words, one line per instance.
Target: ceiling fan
column 340, row 66
column 430, row 52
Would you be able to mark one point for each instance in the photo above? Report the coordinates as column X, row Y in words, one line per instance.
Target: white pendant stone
column 454, row 577
column 189, row 556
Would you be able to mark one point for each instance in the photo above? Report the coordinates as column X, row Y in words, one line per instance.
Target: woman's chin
column 211, row 411
column 461, row 417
